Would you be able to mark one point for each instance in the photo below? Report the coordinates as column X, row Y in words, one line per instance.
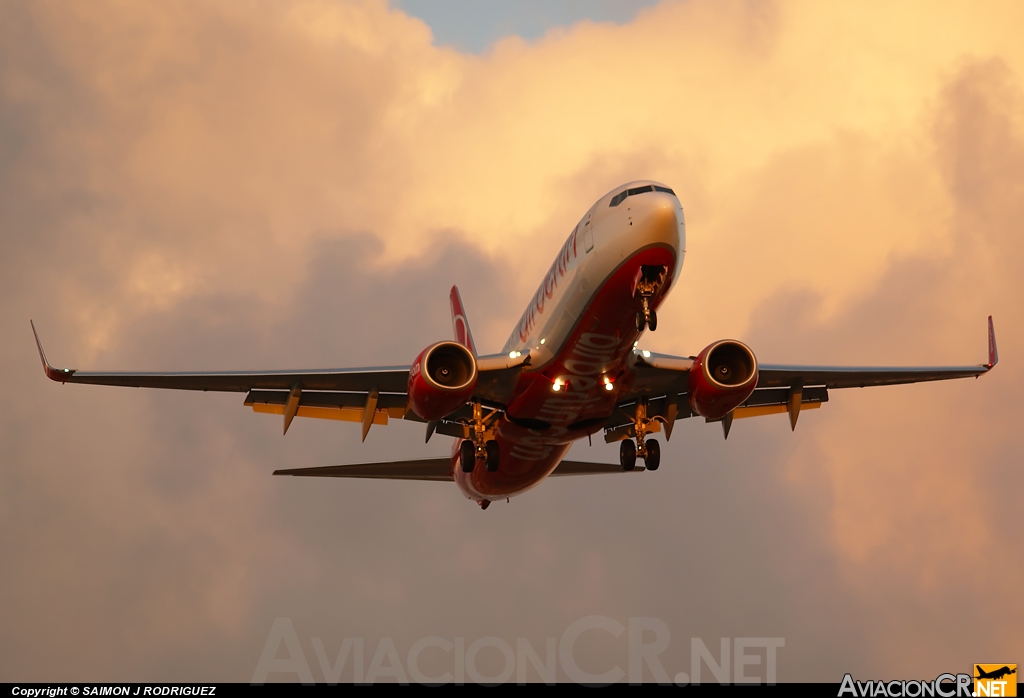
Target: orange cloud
column 851, row 177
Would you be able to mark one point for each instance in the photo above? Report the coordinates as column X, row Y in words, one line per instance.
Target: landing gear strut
column 648, row 449
column 478, row 446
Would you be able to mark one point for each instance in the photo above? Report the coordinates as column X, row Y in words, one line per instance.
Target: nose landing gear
column 646, row 316
column 648, row 282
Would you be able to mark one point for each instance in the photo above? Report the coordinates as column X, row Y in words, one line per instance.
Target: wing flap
column 762, row 410
column 763, row 401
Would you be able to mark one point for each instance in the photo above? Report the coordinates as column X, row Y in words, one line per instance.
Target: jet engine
column 441, row 380
column 721, row 378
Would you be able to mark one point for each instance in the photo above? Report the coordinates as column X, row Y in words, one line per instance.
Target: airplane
column 571, row 368
column 995, row 674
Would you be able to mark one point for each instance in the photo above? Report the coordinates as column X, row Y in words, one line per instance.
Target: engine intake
column 441, row 380
column 721, row 378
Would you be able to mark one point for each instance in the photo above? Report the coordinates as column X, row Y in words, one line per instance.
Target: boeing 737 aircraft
column 570, row 369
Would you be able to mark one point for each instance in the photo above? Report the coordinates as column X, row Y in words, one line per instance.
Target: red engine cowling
column 442, row 379
column 721, row 378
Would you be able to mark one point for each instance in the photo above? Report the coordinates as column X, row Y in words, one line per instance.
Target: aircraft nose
column 659, row 219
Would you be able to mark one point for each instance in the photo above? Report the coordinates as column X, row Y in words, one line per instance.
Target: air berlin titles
column 548, row 286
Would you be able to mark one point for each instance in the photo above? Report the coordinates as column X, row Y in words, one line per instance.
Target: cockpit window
column 621, row 196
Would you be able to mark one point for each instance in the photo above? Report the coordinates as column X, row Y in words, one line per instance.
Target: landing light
column 647, row 354
column 607, row 384
column 514, row 354
column 542, row 341
column 635, row 343
column 558, row 385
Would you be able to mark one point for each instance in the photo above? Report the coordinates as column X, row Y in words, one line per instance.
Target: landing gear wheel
column 467, row 456
column 653, row 459
column 493, row 454
column 627, row 454
column 641, row 321
column 652, row 324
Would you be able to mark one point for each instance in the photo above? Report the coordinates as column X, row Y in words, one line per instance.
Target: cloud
column 209, row 186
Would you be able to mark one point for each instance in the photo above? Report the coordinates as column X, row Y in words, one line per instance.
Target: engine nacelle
column 442, row 379
column 721, row 378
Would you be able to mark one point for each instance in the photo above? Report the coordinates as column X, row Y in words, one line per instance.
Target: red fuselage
column 580, row 330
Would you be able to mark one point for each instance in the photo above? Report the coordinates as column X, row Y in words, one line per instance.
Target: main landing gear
column 479, row 447
column 648, row 449
column 468, row 456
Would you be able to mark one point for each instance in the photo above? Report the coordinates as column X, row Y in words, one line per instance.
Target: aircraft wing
column 367, row 395
column 437, row 469
column 777, row 375
column 663, row 380
column 384, row 379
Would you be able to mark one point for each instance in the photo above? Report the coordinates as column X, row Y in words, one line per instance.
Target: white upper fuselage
column 603, row 238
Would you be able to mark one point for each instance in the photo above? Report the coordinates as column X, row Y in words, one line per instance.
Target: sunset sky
column 233, row 185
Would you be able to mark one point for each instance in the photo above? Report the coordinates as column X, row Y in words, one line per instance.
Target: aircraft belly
column 515, row 476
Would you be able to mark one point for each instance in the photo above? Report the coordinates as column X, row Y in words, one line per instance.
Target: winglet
column 993, row 352
column 460, row 323
column 51, row 372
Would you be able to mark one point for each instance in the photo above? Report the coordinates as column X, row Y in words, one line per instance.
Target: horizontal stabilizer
column 419, row 469
column 438, row 469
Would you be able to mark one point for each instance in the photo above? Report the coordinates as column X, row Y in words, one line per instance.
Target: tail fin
column 460, row 324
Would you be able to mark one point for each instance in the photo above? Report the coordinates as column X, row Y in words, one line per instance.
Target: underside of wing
column 384, row 379
column 787, row 376
column 366, row 395
column 661, row 388
column 778, row 375
column 387, row 379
